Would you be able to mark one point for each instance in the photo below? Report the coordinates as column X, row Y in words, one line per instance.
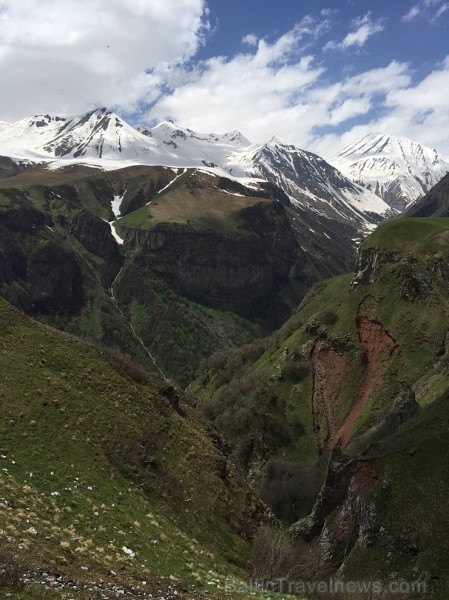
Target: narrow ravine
column 138, row 338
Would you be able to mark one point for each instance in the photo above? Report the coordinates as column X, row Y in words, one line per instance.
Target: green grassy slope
column 411, row 235
column 180, row 333
column 193, row 198
column 95, row 459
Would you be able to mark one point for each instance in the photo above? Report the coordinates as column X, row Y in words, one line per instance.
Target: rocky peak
column 397, row 169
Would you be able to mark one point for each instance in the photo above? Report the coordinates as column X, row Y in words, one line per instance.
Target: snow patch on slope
column 116, row 204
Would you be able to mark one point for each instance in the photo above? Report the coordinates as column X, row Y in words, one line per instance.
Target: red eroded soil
column 365, row 478
column 378, row 346
column 330, row 374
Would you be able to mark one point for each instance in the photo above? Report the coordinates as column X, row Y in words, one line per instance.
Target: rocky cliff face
column 415, row 275
column 9, row 167
column 95, row 235
column 244, row 274
column 38, row 271
column 346, row 482
column 369, row 265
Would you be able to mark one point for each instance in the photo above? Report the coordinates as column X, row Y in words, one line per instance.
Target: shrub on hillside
column 12, row 566
column 226, row 364
column 296, row 370
column 329, row 317
column 276, row 556
column 251, row 411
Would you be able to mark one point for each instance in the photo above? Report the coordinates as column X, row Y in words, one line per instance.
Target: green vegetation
column 412, row 235
column 96, row 458
column 192, row 200
column 89, row 187
column 179, row 332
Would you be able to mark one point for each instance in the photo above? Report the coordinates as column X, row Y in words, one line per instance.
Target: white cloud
column 250, row 39
column 363, row 28
column 252, row 91
column 426, row 10
column 412, row 14
column 68, row 55
column 415, row 111
column 443, row 8
column 273, row 90
column 267, row 92
column 327, row 12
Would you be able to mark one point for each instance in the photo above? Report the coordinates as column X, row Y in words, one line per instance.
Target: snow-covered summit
column 397, row 169
column 185, row 147
column 168, row 130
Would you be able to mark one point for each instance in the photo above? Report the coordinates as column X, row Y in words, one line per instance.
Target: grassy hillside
column 421, row 236
column 194, row 198
column 362, row 367
column 97, row 457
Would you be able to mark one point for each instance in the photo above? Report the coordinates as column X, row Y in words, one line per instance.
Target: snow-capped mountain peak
column 99, row 133
column 397, row 169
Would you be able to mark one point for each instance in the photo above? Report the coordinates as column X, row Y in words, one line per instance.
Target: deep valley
column 230, row 364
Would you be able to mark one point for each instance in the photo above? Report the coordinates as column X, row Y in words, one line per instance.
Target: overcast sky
column 318, row 74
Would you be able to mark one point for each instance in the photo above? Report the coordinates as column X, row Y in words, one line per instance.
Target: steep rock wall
column 248, row 274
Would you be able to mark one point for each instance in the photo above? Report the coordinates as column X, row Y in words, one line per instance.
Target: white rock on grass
column 128, row 552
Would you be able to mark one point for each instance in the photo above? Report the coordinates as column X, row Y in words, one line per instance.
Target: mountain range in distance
column 371, row 180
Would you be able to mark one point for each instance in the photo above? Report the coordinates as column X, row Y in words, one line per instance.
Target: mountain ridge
column 101, row 138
